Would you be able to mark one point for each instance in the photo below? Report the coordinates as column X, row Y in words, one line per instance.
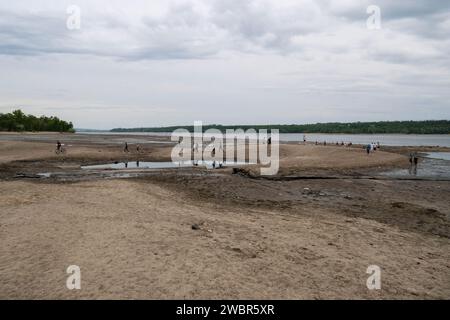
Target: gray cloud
column 184, row 31
column 391, row 10
column 183, row 59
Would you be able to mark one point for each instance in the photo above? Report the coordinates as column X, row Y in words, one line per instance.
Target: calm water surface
column 442, row 140
column 435, row 165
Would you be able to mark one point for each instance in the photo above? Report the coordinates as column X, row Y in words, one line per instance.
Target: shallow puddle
column 439, row 155
column 435, row 165
column 162, row 165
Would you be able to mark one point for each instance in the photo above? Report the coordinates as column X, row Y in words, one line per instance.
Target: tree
column 19, row 121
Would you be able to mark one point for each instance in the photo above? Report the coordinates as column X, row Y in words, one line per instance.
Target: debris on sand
column 28, row 175
column 315, row 193
column 201, row 226
column 243, row 172
column 398, row 205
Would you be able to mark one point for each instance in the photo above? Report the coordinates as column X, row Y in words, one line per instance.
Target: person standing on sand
column 416, row 160
column 138, row 148
column 411, row 162
column 125, row 149
column 58, row 146
column 368, row 148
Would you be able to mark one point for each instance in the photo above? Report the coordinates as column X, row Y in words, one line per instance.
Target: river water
column 442, row 140
column 433, row 165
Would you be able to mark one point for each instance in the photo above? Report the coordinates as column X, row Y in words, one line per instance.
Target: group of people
column 61, row 149
column 372, row 147
column 342, row 143
column 126, row 150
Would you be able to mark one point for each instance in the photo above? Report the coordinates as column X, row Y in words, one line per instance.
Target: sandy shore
column 252, row 238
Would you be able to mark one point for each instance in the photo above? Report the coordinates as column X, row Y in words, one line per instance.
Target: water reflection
column 163, row 165
column 425, row 168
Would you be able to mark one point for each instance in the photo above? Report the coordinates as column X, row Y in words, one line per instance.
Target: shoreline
column 287, row 237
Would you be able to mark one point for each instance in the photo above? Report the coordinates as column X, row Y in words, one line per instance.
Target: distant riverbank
column 381, row 127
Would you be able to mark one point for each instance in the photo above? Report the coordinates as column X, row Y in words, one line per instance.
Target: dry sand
column 255, row 239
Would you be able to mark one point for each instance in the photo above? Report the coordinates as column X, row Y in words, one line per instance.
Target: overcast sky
column 155, row 63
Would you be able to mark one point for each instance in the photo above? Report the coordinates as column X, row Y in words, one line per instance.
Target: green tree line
column 405, row 127
column 19, row 121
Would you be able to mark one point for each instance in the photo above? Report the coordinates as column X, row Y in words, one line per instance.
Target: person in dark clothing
column 411, row 163
column 125, row 148
column 368, row 148
column 414, row 162
column 58, row 145
column 269, row 140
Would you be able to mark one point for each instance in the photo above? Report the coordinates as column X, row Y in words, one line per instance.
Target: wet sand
column 253, row 238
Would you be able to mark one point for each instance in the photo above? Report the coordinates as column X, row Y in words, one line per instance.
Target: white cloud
column 225, row 61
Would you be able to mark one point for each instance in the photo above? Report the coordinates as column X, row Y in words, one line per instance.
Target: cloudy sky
column 154, row 63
